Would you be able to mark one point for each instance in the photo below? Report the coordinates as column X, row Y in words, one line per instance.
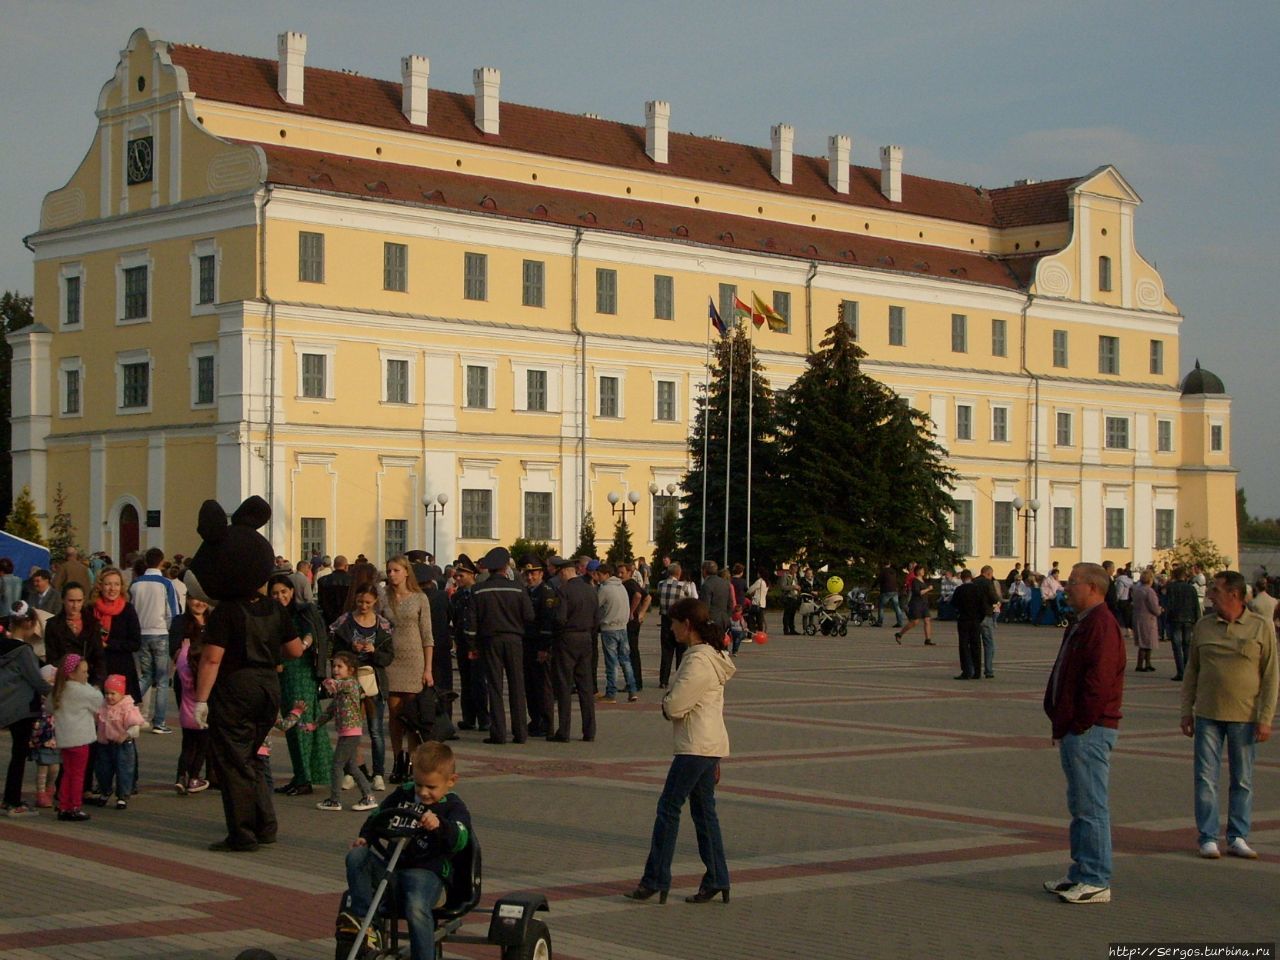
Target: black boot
column 398, row 768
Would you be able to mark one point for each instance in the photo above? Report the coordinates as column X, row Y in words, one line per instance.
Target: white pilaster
column 1091, row 519
column 155, row 490
column 1143, row 524
column 439, row 412
column 30, row 411
column 97, row 532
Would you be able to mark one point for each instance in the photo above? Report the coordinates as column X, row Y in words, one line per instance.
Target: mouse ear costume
column 233, row 562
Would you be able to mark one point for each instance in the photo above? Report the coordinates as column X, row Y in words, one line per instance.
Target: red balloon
column 759, row 637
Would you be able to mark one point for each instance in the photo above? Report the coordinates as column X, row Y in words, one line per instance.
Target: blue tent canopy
column 23, row 553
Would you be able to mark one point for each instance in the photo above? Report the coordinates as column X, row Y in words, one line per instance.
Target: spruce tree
column 62, row 531
column 711, row 423
column 620, row 549
column 22, row 520
column 587, row 537
column 864, row 479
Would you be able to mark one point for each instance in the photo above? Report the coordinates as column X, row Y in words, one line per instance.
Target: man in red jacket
column 1082, row 700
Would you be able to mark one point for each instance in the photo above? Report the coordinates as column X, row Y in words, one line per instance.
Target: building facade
column 351, row 296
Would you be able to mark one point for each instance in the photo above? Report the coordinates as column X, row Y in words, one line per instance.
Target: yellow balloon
column 835, row 585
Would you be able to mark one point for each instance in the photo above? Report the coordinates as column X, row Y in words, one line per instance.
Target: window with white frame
column 999, row 337
column 665, row 400
column 1002, row 533
column 959, row 333
column 205, row 259
column 1215, row 438
column 133, row 287
column 1000, row 424
column 71, row 291
column 897, row 326
column 477, row 385
column 71, row 386
column 608, row 389
column 1104, row 274
column 310, row 257
column 204, row 375
column 475, row 276
column 962, row 527
column 395, row 267
column 1164, row 529
column 606, row 290
column 315, row 376
column 535, row 387
column 964, row 421
column 1157, row 356
column 1115, row 528
column 1064, row 429
column 311, row 535
column 664, row 297
column 1164, row 436
column 1117, row 433
column 533, row 291
column 1060, row 348
column 728, row 294
column 395, row 537
column 662, row 505
column 477, row 514
column 1108, row 354
column 397, row 377
column 849, row 316
column 1064, row 527
column 782, row 307
column 133, row 381
column 537, row 515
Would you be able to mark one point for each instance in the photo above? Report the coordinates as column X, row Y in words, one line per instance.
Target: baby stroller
column 861, row 610
column 427, row 715
column 512, row 927
column 826, row 617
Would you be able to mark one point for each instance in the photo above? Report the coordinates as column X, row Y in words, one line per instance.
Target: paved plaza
column 873, row 807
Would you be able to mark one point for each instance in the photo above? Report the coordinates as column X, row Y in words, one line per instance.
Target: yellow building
column 350, row 296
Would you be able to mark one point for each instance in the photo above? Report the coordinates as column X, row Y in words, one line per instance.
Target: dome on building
column 1202, row 381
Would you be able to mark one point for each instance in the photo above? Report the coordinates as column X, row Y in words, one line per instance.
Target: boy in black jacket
column 426, row 864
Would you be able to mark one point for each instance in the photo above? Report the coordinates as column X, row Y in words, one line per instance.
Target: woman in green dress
column 310, row 752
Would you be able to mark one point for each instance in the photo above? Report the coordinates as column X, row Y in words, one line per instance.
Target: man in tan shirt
column 1229, row 689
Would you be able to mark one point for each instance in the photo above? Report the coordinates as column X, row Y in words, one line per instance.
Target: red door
column 128, row 533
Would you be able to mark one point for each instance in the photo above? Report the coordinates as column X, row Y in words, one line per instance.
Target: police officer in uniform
column 537, row 647
column 577, row 619
column 502, row 609
column 471, row 681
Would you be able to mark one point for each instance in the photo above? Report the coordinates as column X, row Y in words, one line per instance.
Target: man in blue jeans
column 615, row 609
column 1229, row 689
column 1182, row 607
column 1082, row 699
column 156, row 601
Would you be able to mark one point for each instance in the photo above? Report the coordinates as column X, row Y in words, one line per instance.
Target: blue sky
column 1181, row 96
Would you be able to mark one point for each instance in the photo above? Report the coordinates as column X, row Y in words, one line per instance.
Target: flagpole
column 751, row 435
column 728, row 449
column 706, row 421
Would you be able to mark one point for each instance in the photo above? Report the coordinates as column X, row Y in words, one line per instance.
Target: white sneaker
column 365, row 803
column 1085, row 893
column 1209, row 850
column 348, row 782
column 379, row 783
column 1058, row 886
column 1238, row 848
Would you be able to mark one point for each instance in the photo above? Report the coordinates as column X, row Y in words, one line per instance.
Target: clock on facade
column 139, row 160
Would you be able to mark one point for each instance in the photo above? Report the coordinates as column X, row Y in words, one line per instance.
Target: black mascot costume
column 237, row 687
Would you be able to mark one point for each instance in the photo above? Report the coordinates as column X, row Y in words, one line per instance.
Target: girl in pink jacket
column 119, row 721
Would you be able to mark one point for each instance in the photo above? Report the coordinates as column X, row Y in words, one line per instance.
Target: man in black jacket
column 332, row 590
column 537, row 647
column 971, row 606
column 471, row 683
column 502, row 609
column 577, row 618
column 716, row 593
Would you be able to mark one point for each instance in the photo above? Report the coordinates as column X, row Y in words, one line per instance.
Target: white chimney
column 487, row 80
column 782, row 136
column 292, row 48
column 891, row 173
column 657, row 117
column 838, row 162
column 414, row 73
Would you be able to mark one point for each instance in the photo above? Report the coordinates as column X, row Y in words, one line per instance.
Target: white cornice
column 1073, row 311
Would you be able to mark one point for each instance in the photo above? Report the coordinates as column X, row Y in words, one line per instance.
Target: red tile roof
column 373, row 179
column 350, row 98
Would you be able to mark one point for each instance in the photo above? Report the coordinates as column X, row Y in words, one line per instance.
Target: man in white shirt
column 155, row 599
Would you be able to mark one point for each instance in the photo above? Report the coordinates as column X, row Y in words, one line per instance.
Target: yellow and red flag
column 775, row 320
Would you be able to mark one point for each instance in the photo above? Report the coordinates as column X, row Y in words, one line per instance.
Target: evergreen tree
column 866, row 479
column 587, row 537
column 62, row 531
column 22, row 520
column 620, row 549
column 665, row 543
column 15, row 313
column 735, row 354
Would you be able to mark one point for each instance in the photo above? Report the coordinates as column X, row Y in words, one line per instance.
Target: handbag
column 368, row 679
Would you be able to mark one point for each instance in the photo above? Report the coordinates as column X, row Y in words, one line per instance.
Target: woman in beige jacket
column 695, row 706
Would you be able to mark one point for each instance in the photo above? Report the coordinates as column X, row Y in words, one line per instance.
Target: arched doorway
column 128, row 532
